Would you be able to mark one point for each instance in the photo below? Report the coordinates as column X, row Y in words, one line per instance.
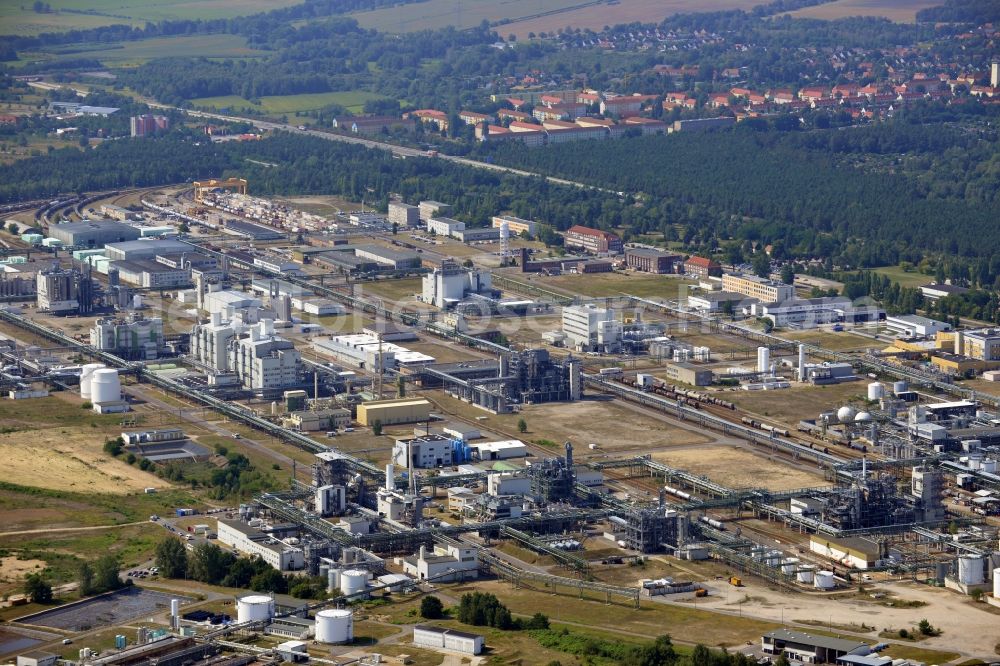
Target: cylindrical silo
column 353, row 581
column 763, row 359
column 898, row 387
column 333, row 579
column 254, row 608
column 334, row 626
column 875, row 391
column 86, row 373
column 970, row 569
column 790, row 565
column 996, row 583
column 823, row 580
column 805, row 574
column 105, row 387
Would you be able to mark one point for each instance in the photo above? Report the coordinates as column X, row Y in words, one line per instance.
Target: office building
column 808, row 648
column 767, row 291
column 982, row 344
column 251, row 541
column 93, row 233
column 651, row 261
column 716, row 301
column 516, row 225
column 429, row 209
column 404, row 214
column 449, row 284
column 590, row 328
column 478, row 234
column 444, row 226
column 135, row 338
column 594, row 241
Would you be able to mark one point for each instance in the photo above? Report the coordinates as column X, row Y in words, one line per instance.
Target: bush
column 431, row 608
column 903, row 633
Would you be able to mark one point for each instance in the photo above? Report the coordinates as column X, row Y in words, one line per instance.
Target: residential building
column 912, row 326
column 767, row 291
column 449, row 639
column 701, row 267
column 444, row 226
column 591, row 240
column 404, row 214
column 147, row 125
column 590, row 328
column 516, row 225
column 808, row 648
column 703, row 124
column 444, row 564
column 473, row 118
column 135, row 338
column 92, row 233
column 429, row 209
column 625, row 105
column 648, row 260
column 251, row 541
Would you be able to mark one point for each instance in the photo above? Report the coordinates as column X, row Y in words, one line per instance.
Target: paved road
column 401, row 151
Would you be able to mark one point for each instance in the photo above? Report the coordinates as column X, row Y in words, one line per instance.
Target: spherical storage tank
column 334, row 626
column 862, row 417
column 105, row 386
column 353, row 581
column 86, row 374
column 823, row 580
column 970, row 570
column 875, row 391
column 254, row 608
column 846, row 414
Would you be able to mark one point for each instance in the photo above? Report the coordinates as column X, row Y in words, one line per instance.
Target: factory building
column 228, row 303
column 263, row 361
column 429, row 209
column 387, row 257
column 404, row 214
column 135, row 338
column 516, row 225
column 428, row 452
column 92, row 233
column 476, row 235
column 590, row 328
column 647, row 260
column 717, row 301
column 508, row 484
column 767, row 291
column 511, row 448
column 319, row 420
column 253, row 542
column 392, row 412
column 591, row 240
column 147, row 248
column 810, row 649
column 64, row 291
column 462, row 561
column 914, row 326
column 687, row 373
column 210, row 342
column 449, row 639
column 856, row 552
column 365, row 350
column 449, row 284
column 812, row 312
column 982, row 344
column 444, row 226
column 151, row 274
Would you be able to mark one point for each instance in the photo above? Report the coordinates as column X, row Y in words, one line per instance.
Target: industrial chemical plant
column 491, row 425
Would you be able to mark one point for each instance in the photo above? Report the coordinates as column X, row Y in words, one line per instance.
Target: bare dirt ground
column 799, row 402
column 738, row 468
column 13, row 569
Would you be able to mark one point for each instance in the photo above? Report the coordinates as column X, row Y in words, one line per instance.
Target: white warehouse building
column 448, row 639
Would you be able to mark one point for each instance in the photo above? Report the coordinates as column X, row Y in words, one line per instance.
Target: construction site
column 637, row 457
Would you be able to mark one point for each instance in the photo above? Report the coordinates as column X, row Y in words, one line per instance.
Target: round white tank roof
column 335, row 612
column 863, row 416
column 256, row 599
column 846, row 414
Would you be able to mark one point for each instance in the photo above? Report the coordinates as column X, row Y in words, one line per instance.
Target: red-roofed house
column 702, row 267
column 782, row 96
column 647, row 125
column 625, row 104
column 473, row 118
column 509, row 114
column 812, row 94
column 431, row 117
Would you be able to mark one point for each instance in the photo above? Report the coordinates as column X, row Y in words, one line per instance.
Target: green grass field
column 353, row 101
column 897, row 651
column 128, row 54
column 911, row 279
column 20, row 19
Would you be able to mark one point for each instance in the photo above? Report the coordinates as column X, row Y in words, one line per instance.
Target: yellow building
column 391, row 412
column 767, row 291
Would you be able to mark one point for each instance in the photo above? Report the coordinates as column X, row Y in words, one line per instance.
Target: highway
column 400, row 151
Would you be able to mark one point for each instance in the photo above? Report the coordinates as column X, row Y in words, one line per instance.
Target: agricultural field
column 613, row 284
column 463, row 14
column 901, row 11
column 353, row 101
column 21, row 19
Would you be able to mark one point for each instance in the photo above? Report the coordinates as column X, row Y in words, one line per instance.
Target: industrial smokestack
column 802, row 363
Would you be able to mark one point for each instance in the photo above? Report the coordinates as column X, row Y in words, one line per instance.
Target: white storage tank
column 823, row 580
column 334, row 626
column 333, row 579
column 254, row 608
column 876, row 391
column 788, row 566
column 773, row 558
column 970, row 569
column 898, row 387
column 805, row 574
column 86, row 374
column 353, row 581
column 996, row 583
column 846, row 414
column 105, row 387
